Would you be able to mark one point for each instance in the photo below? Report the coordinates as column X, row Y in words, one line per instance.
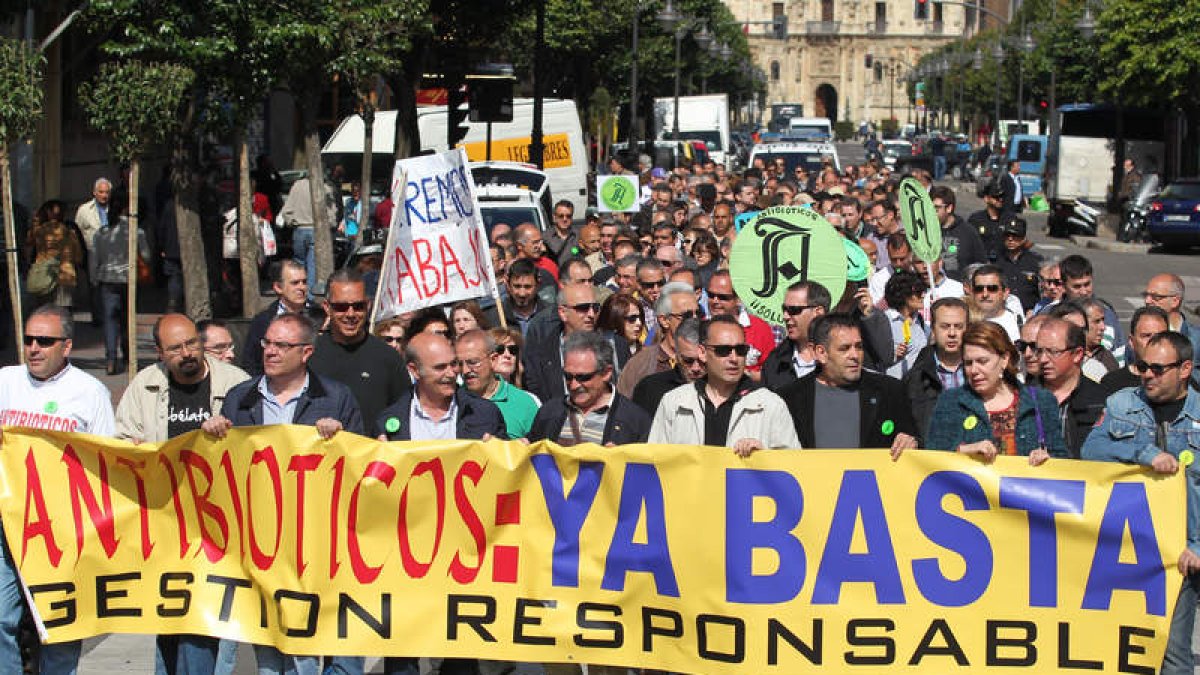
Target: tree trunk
column 186, row 176
column 364, row 191
column 407, row 135
column 247, row 231
column 10, row 239
column 322, row 237
column 131, row 270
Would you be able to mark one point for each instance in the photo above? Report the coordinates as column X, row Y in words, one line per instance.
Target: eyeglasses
column 392, row 339
column 633, row 318
column 1024, row 345
column 1158, row 297
column 280, row 345
column 990, row 288
column 471, row 363
column 686, row 314
column 191, row 345
column 42, row 340
column 723, row 297
column 688, row 242
column 689, row 361
column 1157, row 368
column 219, row 348
column 359, row 306
column 1050, row 282
column 1052, row 353
column 725, row 350
column 444, row 333
column 585, row 307
column 579, row 377
column 652, row 284
column 667, row 263
column 793, row 310
column 512, row 350
column 563, row 216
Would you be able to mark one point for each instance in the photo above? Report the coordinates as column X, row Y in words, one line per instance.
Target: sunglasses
column 1050, row 282
column 686, row 314
column 726, row 350
column 652, row 284
column 42, row 340
column 666, row 263
column 585, row 307
column 990, row 288
column 392, row 339
column 633, row 318
column 1157, row 368
column 512, row 350
column 579, row 377
column 793, row 310
column 1024, row 346
column 359, row 306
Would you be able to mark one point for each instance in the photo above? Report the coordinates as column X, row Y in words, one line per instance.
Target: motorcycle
column 1136, row 211
column 1073, row 217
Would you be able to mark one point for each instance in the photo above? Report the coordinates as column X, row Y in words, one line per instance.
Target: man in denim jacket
column 1155, row 425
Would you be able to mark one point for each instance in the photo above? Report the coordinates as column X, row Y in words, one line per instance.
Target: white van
column 566, row 158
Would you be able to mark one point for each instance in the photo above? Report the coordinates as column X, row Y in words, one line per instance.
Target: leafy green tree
column 135, row 104
column 1149, row 53
column 21, row 106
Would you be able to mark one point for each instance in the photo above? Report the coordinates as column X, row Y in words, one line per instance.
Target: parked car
column 987, row 173
column 1175, row 214
column 893, row 150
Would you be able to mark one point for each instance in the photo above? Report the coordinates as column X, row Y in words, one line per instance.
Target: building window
column 776, row 10
column 880, row 16
column 774, row 71
column 827, row 11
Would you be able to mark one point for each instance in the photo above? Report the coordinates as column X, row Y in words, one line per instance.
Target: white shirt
column 72, row 400
column 1008, row 321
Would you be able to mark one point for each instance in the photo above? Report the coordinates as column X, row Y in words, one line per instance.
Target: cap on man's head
column 658, row 173
column 1013, row 226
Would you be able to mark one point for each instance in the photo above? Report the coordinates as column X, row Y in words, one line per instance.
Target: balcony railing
column 877, row 27
column 823, row 27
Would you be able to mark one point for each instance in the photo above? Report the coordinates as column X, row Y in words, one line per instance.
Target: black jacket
column 989, row 232
column 476, row 416
column 323, row 398
column 777, row 370
column 881, row 399
column 961, row 247
column 923, row 387
column 1021, row 276
column 252, row 353
column 627, row 422
column 543, row 358
column 650, row 390
column 1083, row 407
column 1008, row 187
column 493, row 315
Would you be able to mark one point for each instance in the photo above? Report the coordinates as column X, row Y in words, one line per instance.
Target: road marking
column 1136, row 302
column 1050, row 247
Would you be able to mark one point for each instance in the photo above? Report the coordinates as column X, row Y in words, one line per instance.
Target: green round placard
column 781, row 246
column 920, row 220
column 618, row 193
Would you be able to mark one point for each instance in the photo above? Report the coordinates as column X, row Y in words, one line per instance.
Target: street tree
column 21, row 106
column 136, row 105
column 1149, row 53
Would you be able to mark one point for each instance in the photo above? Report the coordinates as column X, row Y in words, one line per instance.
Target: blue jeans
column 939, row 167
column 185, row 655
column 271, row 661
column 112, row 317
column 61, row 658
column 1178, row 659
column 304, row 253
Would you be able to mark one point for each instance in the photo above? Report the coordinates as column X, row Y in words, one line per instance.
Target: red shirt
column 547, row 264
column 383, row 213
column 761, row 338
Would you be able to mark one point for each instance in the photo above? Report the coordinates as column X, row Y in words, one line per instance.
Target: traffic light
column 868, row 60
column 456, row 115
column 780, row 27
column 921, row 11
column 1043, row 105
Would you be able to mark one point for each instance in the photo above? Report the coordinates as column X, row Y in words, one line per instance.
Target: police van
column 809, row 155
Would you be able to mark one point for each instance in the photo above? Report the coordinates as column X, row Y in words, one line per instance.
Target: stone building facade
column 822, row 63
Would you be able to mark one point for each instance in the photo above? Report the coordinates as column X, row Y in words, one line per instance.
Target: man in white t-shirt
column 991, row 296
column 46, row 393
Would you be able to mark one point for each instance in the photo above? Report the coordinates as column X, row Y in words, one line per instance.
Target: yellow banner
column 557, row 152
column 674, row 558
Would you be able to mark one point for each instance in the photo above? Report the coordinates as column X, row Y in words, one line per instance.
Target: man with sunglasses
column 1060, row 351
column 651, row 277
column 689, row 367
column 676, row 303
column 841, row 405
column 1147, row 322
column 723, row 299
column 45, row 393
column 578, row 311
column 289, row 281
column 1154, row 426
column 990, row 294
column 793, row 358
column 1050, row 286
column 1031, row 365
column 724, row 407
column 349, row 354
column 591, row 411
column 289, row 392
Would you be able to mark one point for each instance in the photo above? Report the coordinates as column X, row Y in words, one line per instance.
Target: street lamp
column 998, row 56
column 670, row 19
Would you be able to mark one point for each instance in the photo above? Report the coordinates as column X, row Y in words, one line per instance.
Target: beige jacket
column 760, row 415
column 87, row 217
column 142, row 412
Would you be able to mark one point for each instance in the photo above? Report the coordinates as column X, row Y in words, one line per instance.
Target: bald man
column 1166, row 292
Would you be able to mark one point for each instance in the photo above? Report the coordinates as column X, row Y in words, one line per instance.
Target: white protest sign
column 436, row 251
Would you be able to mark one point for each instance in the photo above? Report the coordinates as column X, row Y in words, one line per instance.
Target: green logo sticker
column 617, row 193
column 887, row 427
column 51, row 406
column 970, row 422
column 1186, row 458
column 781, row 246
column 858, row 263
column 392, row 425
column 920, row 220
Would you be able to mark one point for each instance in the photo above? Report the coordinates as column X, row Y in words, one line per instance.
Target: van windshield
column 491, row 175
column 712, row 139
column 811, row 161
column 809, row 131
column 510, row 215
